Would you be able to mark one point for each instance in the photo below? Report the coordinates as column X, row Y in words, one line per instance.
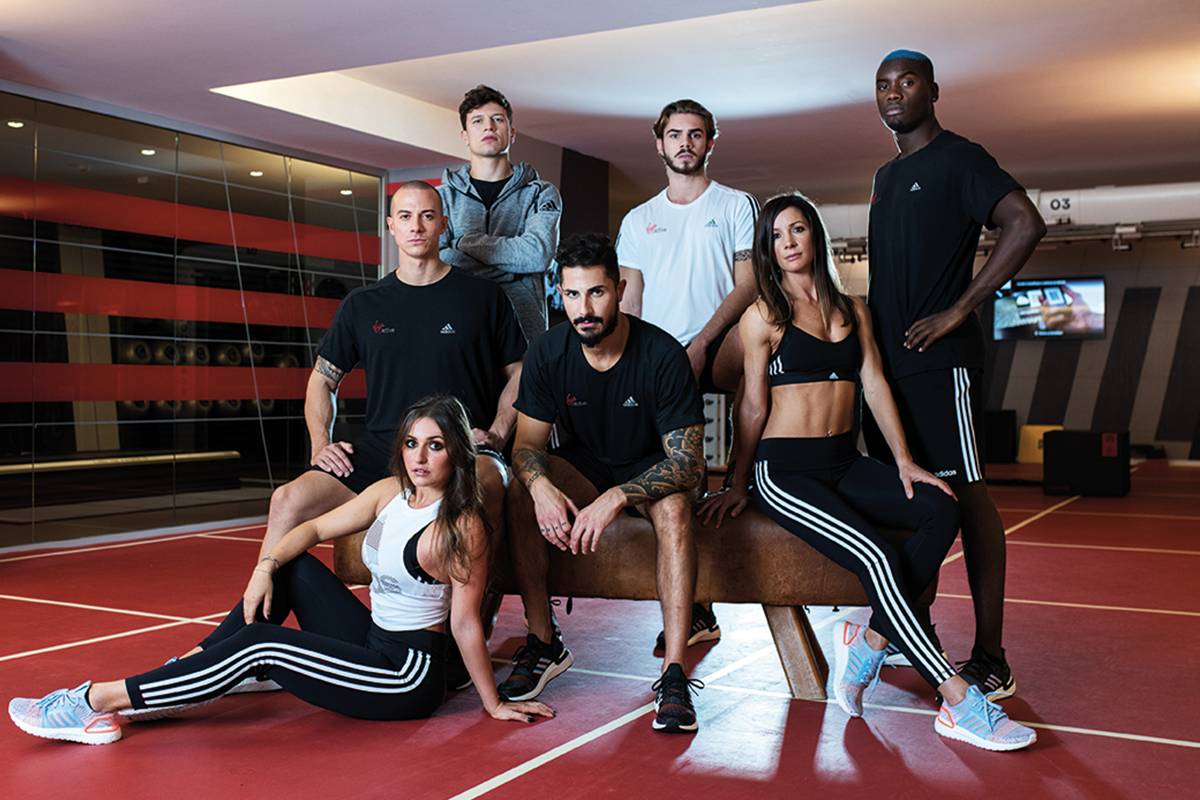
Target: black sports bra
column 803, row 358
column 410, row 558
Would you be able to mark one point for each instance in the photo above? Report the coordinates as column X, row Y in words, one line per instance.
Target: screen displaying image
column 1064, row 308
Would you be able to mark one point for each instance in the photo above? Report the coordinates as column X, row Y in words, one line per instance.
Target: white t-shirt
column 685, row 254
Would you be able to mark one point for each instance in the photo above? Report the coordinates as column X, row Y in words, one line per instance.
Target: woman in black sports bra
column 807, row 344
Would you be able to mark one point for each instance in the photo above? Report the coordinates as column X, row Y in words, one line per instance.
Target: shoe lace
column 53, row 699
column 671, row 688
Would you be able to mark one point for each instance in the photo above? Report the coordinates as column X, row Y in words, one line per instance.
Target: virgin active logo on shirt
column 654, row 227
column 379, row 327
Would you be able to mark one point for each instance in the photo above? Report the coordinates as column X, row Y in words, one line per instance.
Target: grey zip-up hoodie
column 512, row 243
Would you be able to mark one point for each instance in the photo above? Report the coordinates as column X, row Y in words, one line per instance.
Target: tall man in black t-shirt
column 928, row 206
column 623, row 394
column 425, row 329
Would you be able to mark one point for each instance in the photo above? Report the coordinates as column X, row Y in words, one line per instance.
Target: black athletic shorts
column 601, row 475
column 370, row 458
column 942, row 415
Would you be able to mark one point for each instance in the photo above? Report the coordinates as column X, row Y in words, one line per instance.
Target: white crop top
column 402, row 599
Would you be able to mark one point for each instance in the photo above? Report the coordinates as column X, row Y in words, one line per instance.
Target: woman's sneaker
column 534, row 665
column 994, row 678
column 979, row 721
column 65, row 715
column 857, row 667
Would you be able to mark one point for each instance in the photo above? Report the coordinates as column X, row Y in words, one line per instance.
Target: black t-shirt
column 927, row 211
column 619, row 415
column 489, row 190
column 454, row 336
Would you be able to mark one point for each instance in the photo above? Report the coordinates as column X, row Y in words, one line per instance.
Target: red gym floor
column 1101, row 632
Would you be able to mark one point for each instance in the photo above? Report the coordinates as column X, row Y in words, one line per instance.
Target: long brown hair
column 830, row 294
column 463, row 495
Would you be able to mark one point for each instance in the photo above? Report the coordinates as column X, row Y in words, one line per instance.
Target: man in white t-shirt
column 685, row 259
column 685, row 253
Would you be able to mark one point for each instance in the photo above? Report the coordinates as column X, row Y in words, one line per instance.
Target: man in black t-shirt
column 928, row 206
column 427, row 328
column 623, row 393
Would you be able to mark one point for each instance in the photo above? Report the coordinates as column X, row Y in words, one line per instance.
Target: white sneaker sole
column 152, row 714
column 72, row 734
column 252, row 685
column 841, row 656
column 964, row 735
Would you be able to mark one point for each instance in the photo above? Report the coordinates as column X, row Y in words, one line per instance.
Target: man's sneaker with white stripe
column 65, row 715
column 673, row 708
column 979, row 721
column 535, row 665
column 704, row 628
column 993, row 677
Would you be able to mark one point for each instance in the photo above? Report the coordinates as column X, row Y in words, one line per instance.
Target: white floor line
column 94, row 548
column 87, row 607
column 1089, row 606
column 157, row 534
column 1133, row 737
column 551, row 755
column 110, row 637
column 1021, row 524
column 1110, row 547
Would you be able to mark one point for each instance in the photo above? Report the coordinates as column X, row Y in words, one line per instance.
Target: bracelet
column 270, row 575
column 272, row 558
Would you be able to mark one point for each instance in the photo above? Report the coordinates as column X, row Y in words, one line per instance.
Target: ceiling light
column 347, row 192
column 148, row 151
column 14, row 123
column 256, row 173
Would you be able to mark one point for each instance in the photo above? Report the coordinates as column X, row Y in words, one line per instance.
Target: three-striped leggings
column 339, row 659
column 830, row 495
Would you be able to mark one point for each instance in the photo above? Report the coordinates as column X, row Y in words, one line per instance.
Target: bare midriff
column 806, row 410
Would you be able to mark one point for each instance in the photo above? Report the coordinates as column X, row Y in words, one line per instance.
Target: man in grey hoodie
column 503, row 218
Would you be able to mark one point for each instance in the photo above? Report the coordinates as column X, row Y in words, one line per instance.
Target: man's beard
column 593, row 339
column 696, row 166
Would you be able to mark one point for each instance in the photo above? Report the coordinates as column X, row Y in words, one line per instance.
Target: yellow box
column 1030, row 450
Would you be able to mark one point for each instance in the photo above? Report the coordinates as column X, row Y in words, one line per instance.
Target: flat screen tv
column 1049, row 308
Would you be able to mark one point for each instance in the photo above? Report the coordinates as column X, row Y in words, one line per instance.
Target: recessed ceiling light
column 148, row 151
column 256, row 173
column 15, row 123
column 347, row 192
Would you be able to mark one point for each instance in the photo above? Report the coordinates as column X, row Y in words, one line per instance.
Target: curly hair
column 481, row 95
column 463, row 495
column 767, row 273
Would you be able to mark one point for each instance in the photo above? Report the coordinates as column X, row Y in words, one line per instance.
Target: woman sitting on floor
column 806, row 345
column 427, row 551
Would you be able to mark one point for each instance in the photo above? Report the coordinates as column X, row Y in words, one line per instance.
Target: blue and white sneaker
column 65, row 715
column 857, row 667
column 979, row 721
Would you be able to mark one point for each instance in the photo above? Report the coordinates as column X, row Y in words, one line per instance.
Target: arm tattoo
column 680, row 471
column 741, row 255
column 327, row 370
column 530, row 465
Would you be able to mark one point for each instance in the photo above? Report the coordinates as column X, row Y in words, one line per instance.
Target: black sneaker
column 674, row 702
column 993, row 678
column 704, row 628
column 534, row 665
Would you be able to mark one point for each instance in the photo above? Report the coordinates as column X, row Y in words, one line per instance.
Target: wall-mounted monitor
column 1049, row 308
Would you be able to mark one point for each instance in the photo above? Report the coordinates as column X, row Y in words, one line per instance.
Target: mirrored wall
column 161, row 297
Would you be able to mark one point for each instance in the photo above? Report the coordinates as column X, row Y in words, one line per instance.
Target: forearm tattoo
column 741, row 255
column 680, row 471
column 327, row 370
column 530, row 465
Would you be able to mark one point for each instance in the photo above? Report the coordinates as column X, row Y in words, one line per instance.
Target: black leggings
column 830, row 495
column 339, row 660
